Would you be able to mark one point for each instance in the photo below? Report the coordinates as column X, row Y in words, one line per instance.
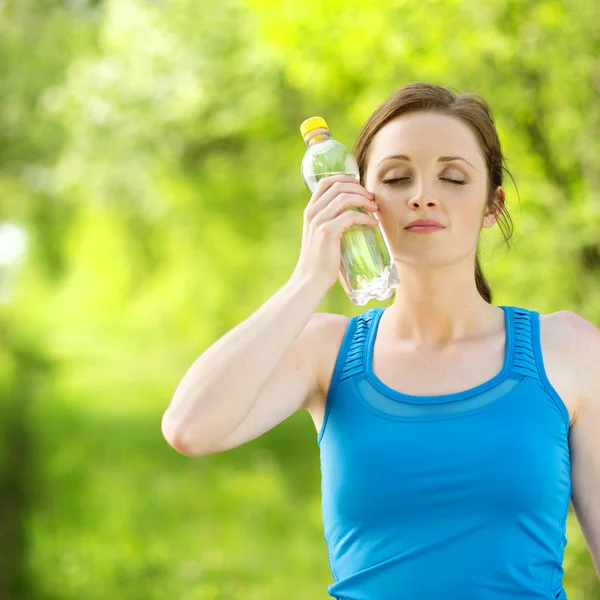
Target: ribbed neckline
column 401, row 397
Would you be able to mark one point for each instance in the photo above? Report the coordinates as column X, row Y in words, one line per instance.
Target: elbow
column 177, row 435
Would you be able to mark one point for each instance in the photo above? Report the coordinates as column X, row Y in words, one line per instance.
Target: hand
column 326, row 217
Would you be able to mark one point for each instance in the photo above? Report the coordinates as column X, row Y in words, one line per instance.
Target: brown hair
column 476, row 113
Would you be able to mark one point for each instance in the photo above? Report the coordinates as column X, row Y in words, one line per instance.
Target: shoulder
column 570, row 331
column 323, row 336
column 573, row 342
column 326, row 332
column 326, row 329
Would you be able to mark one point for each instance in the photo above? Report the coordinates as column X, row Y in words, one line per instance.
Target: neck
column 440, row 307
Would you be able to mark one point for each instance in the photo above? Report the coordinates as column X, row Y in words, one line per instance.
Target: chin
column 425, row 260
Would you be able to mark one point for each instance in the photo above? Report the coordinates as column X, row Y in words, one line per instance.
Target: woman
column 449, row 447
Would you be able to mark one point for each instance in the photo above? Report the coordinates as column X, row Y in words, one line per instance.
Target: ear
column 492, row 213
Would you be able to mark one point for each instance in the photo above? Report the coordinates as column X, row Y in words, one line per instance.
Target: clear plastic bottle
column 367, row 270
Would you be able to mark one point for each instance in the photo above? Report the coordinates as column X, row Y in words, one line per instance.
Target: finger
column 335, row 229
column 340, row 187
column 344, row 202
column 326, row 183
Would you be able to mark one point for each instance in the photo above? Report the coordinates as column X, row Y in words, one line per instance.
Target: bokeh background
column 151, row 199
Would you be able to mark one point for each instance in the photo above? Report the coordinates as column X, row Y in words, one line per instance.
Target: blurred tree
column 151, row 150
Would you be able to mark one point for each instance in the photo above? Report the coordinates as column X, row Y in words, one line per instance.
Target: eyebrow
column 440, row 159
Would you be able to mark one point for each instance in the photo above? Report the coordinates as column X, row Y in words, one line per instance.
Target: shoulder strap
column 357, row 347
column 524, row 361
column 541, row 369
column 528, row 359
column 348, row 359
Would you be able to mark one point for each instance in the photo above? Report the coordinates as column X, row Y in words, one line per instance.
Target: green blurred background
column 151, row 199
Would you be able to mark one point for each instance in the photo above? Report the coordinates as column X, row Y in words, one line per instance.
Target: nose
column 422, row 196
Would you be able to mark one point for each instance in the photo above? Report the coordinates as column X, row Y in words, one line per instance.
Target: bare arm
column 267, row 367
column 273, row 352
column 581, row 341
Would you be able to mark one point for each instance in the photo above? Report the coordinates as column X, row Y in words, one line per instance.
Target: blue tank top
column 453, row 497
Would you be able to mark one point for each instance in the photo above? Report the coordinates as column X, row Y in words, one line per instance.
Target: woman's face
column 428, row 165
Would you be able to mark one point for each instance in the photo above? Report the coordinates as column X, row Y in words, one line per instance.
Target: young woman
column 453, row 433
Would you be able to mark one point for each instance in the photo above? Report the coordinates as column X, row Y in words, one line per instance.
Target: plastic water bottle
column 367, row 269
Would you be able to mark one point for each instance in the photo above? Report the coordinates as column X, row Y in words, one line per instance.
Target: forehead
column 426, row 135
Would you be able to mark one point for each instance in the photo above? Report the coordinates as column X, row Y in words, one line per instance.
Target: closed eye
column 393, row 181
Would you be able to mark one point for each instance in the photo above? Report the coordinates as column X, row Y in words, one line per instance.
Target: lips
column 425, row 227
column 424, row 223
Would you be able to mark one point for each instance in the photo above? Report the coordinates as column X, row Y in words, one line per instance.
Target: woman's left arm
column 584, row 439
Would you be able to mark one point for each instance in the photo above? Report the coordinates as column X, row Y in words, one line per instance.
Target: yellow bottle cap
column 312, row 124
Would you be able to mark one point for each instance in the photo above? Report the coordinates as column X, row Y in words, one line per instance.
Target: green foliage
column 151, row 150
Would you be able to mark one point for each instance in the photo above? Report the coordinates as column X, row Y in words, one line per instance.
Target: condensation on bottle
column 367, row 269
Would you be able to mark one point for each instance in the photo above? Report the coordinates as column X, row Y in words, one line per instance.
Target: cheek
column 390, row 203
column 462, row 207
column 389, row 215
column 466, row 208
column 463, row 216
